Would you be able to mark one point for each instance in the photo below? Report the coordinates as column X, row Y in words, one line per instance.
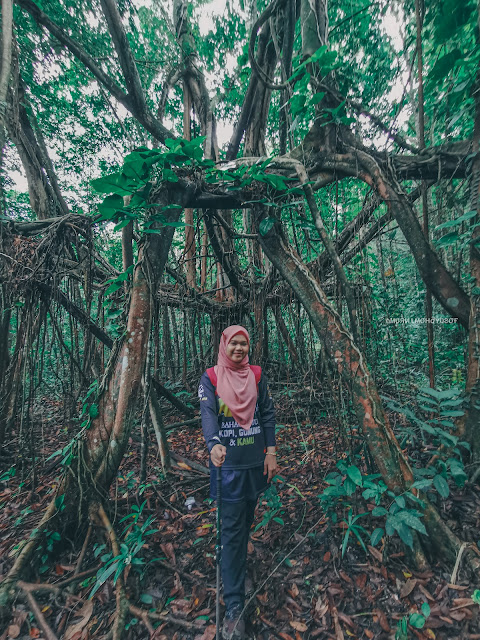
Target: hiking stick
column 218, row 549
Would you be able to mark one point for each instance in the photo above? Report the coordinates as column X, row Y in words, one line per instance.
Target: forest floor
column 304, row 587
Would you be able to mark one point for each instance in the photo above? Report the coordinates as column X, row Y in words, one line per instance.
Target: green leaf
column 318, row 97
column 417, row 620
column 345, row 541
column 476, row 596
column 355, row 475
column 412, row 521
column 279, row 520
column 169, row 175
column 444, row 65
column 277, row 182
column 379, row 511
column 376, row 536
column 448, row 239
column 441, row 485
column 266, row 225
column 350, row 487
column 406, row 535
column 113, row 183
column 457, row 221
column 121, row 224
column 425, row 609
column 115, row 286
column 146, row 598
column 102, row 577
column 109, row 207
column 93, row 411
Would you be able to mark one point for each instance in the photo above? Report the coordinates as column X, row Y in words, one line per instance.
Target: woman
column 238, row 422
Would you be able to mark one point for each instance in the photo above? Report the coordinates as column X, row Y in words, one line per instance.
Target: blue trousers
column 237, row 519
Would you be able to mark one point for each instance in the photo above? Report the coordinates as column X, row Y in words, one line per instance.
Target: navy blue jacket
column 245, row 447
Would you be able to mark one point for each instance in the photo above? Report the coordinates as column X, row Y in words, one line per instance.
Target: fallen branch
column 172, row 398
column 185, row 423
column 190, row 463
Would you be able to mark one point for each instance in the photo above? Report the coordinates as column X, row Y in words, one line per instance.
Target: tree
column 299, row 106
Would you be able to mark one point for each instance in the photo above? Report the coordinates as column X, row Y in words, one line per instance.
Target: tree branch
column 124, row 53
column 144, row 117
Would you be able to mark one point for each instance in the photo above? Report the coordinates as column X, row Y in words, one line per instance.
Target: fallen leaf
column 267, row 622
column 14, row 631
column 457, row 615
column 457, row 587
column 445, row 619
column 321, row 608
column 182, row 465
column 285, row 636
column 327, row 556
column 430, row 634
column 361, row 580
column 345, row 576
column 462, row 602
column 368, row 633
column 344, row 618
column 209, row 633
column 34, row 632
column 375, row 553
column 382, row 619
column 425, row 592
column 85, row 613
column 294, row 591
column 298, row 626
column 408, row 587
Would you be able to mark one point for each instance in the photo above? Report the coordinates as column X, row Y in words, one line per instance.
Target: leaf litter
column 303, row 588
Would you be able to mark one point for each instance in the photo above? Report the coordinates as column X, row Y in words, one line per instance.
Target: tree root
column 179, row 622
column 446, row 544
column 42, row 623
column 121, row 598
column 8, row 586
column 83, row 551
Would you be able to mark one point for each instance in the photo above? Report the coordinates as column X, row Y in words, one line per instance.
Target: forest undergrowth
column 316, row 564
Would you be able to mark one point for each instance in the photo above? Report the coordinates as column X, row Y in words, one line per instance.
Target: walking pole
column 218, row 548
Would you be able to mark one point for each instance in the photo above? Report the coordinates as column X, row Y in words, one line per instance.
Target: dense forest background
column 310, row 170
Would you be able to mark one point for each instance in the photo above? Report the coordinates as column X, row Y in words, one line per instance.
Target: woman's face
column 237, row 348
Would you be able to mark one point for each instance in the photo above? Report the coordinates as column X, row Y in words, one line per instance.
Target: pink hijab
column 236, row 384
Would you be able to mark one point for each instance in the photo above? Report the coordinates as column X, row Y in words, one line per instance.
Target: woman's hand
column 270, row 466
column 217, row 455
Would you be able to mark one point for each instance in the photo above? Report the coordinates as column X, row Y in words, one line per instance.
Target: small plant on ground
column 134, row 536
